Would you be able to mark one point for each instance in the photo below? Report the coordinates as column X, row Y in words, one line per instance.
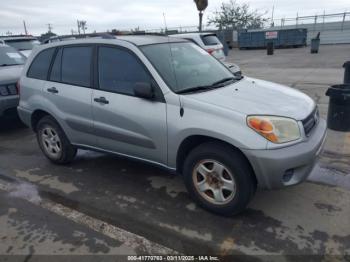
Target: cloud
column 120, row 14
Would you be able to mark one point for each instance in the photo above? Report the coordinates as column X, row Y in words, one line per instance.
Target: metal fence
column 334, row 28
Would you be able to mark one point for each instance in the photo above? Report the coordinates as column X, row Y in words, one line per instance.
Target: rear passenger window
column 41, row 64
column 76, row 66
column 119, row 70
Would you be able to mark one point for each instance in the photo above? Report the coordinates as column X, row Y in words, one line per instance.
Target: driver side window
column 119, row 71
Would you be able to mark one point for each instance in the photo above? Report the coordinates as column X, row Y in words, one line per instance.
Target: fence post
column 315, row 22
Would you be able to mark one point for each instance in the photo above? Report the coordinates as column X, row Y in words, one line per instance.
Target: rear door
column 68, row 92
column 124, row 123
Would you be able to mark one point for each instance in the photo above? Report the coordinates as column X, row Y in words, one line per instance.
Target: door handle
column 52, row 90
column 101, row 100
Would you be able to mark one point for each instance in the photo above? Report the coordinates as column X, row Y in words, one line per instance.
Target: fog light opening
column 288, row 175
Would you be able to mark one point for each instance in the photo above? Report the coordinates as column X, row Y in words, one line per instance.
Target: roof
column 141, row 40
column 138, row 40
column 193, row 34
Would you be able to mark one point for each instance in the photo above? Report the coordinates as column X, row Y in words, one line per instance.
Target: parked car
column 11, row 64
column 23, row 44
column 167, row 102
column 211, row 43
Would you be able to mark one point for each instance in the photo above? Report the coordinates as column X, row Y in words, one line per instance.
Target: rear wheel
column 219, row 178
column 53, row 142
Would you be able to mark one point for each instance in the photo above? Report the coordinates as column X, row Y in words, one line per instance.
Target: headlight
column 275, row 129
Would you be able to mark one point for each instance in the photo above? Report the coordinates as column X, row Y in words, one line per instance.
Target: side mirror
column 144, row 90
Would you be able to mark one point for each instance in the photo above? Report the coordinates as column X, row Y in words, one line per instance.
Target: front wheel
column 219, row 178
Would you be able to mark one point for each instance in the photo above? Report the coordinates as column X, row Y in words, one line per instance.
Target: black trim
column 53, row 58
column 95, row 68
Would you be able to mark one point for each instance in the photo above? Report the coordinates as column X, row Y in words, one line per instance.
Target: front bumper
column 8, row 104
column 277, row 168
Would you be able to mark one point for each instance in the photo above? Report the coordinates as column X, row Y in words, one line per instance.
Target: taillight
column 210, row 51
column 18, row 87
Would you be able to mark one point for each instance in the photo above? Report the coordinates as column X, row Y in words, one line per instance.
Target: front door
column 124, row 123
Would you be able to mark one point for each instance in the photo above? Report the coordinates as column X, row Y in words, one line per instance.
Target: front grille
column 311, row 121
column 8, row 90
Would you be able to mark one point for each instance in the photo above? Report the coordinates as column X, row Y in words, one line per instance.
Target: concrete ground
column 101, row 204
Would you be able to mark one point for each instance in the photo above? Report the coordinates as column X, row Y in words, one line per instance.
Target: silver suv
column 168, row 102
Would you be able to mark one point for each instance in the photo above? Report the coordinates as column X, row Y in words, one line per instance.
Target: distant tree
column 237, row 16
column 201, row 6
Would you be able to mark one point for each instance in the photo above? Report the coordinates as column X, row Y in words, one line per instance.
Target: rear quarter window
column 41, row 65
column 210, row 40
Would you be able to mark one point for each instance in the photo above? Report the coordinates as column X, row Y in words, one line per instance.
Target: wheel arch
column 193, row 141
column 37, row 115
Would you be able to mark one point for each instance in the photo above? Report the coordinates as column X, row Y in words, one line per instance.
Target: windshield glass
column 27, row 44
column 10, row 56
column 185, row 65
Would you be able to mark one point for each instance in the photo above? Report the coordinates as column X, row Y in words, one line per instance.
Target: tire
column 53, row 141
column 237, row 171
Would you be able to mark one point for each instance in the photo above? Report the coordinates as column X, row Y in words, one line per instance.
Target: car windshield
column 26, row 44
column 10, row 56
column 185, row 66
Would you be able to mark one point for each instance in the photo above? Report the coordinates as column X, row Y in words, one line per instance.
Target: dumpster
column 284, row 38
column 339, row 107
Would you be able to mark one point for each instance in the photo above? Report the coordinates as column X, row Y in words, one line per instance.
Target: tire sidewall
column 67, row 150
column 236, row 164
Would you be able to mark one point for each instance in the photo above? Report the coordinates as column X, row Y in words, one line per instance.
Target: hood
column 251, row 96
column 26, row 53
column 10, row 74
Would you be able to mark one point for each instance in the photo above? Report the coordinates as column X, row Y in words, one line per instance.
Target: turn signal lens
column 275, row 129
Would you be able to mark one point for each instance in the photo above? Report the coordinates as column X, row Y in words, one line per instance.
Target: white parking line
column 127, row 238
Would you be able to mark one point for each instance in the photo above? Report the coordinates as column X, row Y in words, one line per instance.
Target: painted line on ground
column 129, row 239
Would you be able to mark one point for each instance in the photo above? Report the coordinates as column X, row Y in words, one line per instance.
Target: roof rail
column 102, row 35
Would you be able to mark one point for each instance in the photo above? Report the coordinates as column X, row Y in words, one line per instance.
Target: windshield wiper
column 194, row 89
column 217, row 84
column 223, row 81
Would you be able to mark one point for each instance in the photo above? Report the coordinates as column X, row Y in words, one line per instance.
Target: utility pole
column 49, row 27
column 25, row 28
column 273, row 11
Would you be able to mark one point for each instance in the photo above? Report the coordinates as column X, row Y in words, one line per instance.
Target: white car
column 167, row 102
column 211, row 43
column 24, row 44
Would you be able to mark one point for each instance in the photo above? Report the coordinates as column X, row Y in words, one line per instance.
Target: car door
column 69, row 92
column 124, row 123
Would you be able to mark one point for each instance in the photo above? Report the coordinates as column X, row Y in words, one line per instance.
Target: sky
column 105, row 15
